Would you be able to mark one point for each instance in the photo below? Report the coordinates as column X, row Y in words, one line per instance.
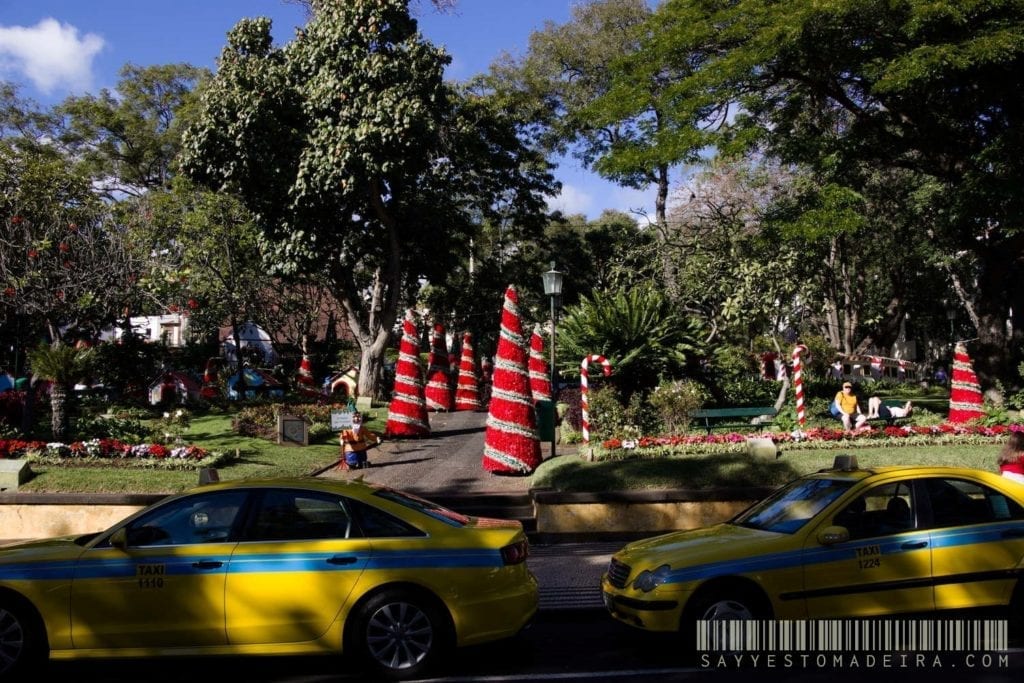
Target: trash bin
column 545, row 420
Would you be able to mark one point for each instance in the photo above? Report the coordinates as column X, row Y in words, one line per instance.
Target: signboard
column 341, row 419
column 292, row 430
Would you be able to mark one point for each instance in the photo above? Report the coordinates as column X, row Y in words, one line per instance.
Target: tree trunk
column 59, row 406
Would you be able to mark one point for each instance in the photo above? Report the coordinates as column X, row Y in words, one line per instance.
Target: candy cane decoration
column 798, row 383
column 606, row 366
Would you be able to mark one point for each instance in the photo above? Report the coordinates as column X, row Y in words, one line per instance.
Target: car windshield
column 792, row 506
column 425, row 506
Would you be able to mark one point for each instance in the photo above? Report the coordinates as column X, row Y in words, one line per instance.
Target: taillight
column 515, row 553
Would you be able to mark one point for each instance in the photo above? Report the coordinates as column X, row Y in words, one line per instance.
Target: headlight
column 649, row 579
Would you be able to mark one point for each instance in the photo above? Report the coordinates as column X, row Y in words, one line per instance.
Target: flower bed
column 112, row 452
column 818, row 438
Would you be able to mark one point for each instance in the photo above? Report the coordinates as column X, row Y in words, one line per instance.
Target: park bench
column 734, row 418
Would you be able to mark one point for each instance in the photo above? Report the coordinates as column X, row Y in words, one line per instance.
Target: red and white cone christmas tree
column 305, row 376
column 407, row 414
column 540, row 380
column 438, row 392
column 467, row 391
column 965, row 398
column 511, row 442
column 209, row 390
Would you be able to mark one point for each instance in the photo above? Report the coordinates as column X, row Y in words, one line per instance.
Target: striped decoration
column 467, row 391
column 511, row 442
column 407, row 414
column 584, row 389
column 798, row 383
column 540, row 379
column 438, row 393
column 965, row 399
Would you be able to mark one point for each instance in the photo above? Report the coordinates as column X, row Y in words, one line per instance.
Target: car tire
column 720, row 603
column 400, row 633
column 22, row 642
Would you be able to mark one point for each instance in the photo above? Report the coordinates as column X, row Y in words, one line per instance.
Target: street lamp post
column 553, row 289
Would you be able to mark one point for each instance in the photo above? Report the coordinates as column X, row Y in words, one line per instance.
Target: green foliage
column 60, row 363
column 673, row 401
column 127, row 430
column 638, row 330
column 358, row 161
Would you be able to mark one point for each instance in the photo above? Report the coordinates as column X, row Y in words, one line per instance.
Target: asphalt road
column 575, row 645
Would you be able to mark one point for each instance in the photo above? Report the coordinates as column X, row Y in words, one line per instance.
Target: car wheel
column 400, row 633
column 22, row 643
column 723, row 603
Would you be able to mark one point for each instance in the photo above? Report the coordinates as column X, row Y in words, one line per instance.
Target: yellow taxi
column 274, row 567
column 841, row 543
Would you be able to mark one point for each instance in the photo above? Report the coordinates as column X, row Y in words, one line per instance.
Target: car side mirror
column 831, row 535
column 119, row 539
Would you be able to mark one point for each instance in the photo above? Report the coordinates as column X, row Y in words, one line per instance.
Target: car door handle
column 207, row 564
column 1013, row 533
column 914, row 545
column 341, row 559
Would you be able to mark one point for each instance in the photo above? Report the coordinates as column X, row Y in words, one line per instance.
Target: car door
column 885, row 566
column 164, row 587
column 294, row 570
column 977, row 536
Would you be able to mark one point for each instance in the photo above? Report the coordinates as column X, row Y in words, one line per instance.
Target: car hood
column 45, row 550
column 710, row 547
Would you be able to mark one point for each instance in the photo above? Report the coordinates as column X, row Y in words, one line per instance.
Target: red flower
column 63, row 247
column 193, row 304
column 173, row 308
column 16, row 220
column 73, row 227
column 157, row 450
column 10, row 292
column 32, row 253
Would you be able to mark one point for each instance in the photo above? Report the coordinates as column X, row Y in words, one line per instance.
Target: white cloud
column 49, row 54
column 571, row 200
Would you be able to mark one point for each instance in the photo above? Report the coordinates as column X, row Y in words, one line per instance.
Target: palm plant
column 61, row 365
column 640, row 333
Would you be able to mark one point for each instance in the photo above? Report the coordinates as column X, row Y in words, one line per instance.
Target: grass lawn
column 262, row 458
column 257, row 458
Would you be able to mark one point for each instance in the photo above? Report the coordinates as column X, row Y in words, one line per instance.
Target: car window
column 372, row 522
column 202, row 518
column 956, row 502
column 426, row 507
column 292, row 515
column 882, row 510
column 787, row 510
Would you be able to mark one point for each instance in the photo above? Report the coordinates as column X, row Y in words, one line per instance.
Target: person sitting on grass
column 876, row 409
column 846, row 408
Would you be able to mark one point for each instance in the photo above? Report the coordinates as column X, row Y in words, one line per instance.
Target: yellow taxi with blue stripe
column 841, row 543
column 276, row 567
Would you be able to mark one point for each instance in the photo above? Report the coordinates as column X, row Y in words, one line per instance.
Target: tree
column 564, row 84
column 357, row 161
column 640, row 333
column 61, row 365
column 127, row 141
column 64, row 263
column 930, row 88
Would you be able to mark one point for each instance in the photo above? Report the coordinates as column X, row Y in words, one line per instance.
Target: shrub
column 672, row 403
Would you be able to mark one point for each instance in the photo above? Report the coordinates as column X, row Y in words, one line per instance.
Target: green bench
column 712, row 418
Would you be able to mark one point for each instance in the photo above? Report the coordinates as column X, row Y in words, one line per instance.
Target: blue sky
column 53, row 48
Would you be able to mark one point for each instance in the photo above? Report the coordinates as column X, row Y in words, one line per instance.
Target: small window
column 956, row 502
column 375, row 523
column 294, row 515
